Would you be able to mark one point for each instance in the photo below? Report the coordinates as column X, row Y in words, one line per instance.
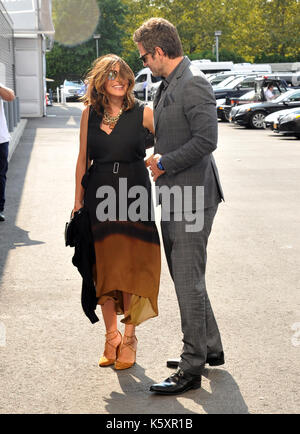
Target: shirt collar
column 170, row 77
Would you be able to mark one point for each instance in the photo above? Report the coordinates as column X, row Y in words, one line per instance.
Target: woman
column 113, row 128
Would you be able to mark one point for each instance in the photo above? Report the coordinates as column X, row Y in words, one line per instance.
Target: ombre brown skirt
column 127, row 253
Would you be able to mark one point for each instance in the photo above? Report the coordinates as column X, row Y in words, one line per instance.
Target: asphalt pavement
column 48, row 348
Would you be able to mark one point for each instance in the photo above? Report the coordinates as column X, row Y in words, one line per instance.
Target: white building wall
column 31, row 21
column 30, row 76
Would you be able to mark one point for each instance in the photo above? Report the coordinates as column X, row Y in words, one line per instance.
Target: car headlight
column 244, row 110
column 290, row 117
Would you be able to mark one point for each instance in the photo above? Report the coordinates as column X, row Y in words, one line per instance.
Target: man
column 269, row 95
column 185, row 136
column 6, row 94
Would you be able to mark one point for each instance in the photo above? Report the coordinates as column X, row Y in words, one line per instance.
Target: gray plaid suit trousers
column 186, row 256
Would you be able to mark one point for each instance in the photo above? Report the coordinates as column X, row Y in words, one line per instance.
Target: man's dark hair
column 158, row 32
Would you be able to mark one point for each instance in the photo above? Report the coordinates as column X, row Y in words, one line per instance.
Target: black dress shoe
column 213, row 359
column 2, row 217
column 179, row 382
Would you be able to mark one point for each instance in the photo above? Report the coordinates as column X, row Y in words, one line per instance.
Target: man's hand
column 151, row 162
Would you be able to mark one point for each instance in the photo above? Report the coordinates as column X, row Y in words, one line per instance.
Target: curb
column 16, row 136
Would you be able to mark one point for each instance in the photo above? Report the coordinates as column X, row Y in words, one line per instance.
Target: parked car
column 289, row 124
column 256, row 95
column 223, row 108
column 226, row 81
column 219, row 79
column 72, row 89
column 236, row 88
column 144, row 80
column 253, row 115
column 273, row 118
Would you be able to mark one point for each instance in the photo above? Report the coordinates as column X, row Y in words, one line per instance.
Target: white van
column 146, row 85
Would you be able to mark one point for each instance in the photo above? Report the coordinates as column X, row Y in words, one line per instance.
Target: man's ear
column 159, row 51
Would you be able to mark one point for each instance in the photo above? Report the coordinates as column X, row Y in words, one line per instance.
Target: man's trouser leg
column 3, row 170
column 186, row 257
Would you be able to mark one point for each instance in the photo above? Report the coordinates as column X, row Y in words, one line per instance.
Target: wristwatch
column 159, row 165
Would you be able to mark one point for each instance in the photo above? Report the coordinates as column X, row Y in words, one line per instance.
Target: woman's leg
column 129, row 328
column 109, row 315
column 113, row 337
column 127, row 354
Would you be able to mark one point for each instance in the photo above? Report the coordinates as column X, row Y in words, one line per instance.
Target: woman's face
column 115, row 85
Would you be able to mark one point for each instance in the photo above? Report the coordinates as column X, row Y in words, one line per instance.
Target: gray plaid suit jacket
column 186, row 133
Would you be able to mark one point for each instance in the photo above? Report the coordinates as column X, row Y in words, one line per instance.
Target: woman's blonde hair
column 96, row 95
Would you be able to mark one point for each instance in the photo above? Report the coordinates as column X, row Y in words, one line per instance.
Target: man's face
column 151, row 61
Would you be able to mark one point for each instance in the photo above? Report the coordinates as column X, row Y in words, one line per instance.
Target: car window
column 295, row 97
column 249, row 82
column 141, row 78
column 155, row 79
column 216, row 81
column 225, row 81
column 283, row 96
column 234, row 82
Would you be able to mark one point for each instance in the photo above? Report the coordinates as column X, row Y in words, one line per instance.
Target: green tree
column 73, row 62
column 260, row 30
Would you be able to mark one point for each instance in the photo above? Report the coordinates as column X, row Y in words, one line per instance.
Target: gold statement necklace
column 110, row 120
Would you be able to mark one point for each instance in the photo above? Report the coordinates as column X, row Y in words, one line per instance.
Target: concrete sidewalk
column 48, row 348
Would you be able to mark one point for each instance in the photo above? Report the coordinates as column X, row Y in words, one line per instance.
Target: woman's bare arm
column 148, row 121
column 81, row 160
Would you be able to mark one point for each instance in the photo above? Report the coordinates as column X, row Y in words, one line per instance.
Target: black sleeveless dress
column 118, row 198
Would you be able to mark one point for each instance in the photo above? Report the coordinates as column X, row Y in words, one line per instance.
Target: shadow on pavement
column 225, row 396
column 12, row 236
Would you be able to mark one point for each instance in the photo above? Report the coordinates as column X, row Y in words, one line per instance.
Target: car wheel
column 257, row 120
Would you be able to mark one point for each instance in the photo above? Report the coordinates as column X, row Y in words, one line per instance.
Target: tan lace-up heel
column 110, row 336
column 129, row 342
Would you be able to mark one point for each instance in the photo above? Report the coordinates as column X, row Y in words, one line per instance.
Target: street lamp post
column 97, row 37
column 217, row 34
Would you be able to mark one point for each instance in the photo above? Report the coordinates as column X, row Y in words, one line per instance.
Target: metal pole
column 217, row 34
column 97, row 37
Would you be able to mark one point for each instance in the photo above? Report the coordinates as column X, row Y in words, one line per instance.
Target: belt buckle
column 116, row 167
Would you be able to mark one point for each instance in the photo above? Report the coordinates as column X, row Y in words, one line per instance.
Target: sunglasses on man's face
column 144, row 56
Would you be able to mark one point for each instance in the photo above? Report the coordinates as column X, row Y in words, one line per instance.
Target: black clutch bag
column 69, row 231
column 74, row 227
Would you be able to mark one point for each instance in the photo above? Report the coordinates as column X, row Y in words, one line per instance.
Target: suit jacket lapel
column 158, row 101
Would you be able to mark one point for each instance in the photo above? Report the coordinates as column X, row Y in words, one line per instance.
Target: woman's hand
column 78, row 204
